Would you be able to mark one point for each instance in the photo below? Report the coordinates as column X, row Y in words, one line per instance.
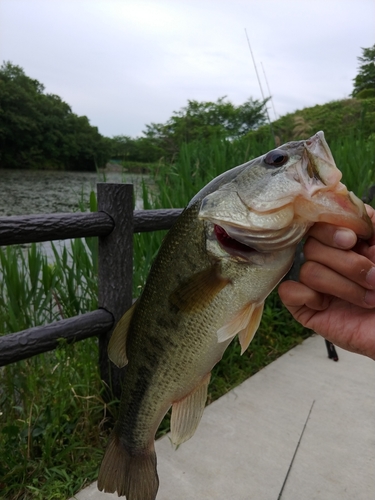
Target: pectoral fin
column 245, row 323
column 246, row 335
column 187, row 413
column 198, row 291
column 117, row 344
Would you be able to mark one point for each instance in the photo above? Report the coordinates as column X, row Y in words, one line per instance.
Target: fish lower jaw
column 258, row 247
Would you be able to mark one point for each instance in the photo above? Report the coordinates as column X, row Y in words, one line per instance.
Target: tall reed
column 355, row 157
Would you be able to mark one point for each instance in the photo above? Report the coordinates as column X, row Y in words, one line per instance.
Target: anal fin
column 187, row 413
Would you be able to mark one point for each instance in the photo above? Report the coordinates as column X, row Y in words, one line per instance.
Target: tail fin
column 131, row 475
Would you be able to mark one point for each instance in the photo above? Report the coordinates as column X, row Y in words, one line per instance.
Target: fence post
column 115, row 269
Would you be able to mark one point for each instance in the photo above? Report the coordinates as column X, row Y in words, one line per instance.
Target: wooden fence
column 114, row 224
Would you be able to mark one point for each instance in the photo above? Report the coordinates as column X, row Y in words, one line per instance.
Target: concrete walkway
column 246, row 440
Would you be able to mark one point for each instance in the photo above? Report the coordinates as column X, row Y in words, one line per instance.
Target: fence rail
column 114, row 224
column 17, row 230
column 33, row 341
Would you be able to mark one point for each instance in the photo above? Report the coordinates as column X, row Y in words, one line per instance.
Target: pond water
column 25, row 192
column 40, row 191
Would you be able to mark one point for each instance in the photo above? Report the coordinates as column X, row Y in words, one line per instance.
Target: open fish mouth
column 231, row 245
column 239, row 242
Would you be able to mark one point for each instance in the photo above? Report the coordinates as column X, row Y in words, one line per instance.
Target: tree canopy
column 364, row 82
column 203, row 120
column 196, row 121
column 39, row 130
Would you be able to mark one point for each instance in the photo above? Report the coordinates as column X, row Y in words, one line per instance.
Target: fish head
column 272, row 201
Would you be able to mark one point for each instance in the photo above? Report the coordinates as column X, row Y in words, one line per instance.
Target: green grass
column 53, row 421
column 355, row 157
column 338, row 119
column 52, row 435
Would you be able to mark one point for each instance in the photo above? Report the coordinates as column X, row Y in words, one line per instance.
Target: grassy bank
column 53, row 421
column 339, row 119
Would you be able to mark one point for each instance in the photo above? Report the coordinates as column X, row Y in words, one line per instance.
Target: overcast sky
column 125, row 63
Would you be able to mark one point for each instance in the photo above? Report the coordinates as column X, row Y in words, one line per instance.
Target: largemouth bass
column 226, row 252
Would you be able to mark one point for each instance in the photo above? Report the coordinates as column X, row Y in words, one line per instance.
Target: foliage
column 205, row 120
column 197, row 121
column 39, row 130
column 33, row 291
column 52, row 420
column 344, row 119
column 355, row 157
column 364, row 82
column 137, row 150
column 49, row 403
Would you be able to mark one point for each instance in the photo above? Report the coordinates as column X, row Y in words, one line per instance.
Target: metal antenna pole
column 269, row 92
column 260, row 86
column 255, row 66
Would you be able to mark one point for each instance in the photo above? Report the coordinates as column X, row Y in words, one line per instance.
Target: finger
column 350, row 264
column 294, row 295
column 327, row 281
column 370, row 212
column 302, row 302
column 337, row 237
column 364, row 248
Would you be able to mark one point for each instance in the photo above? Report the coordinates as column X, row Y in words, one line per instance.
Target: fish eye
column 276, row 158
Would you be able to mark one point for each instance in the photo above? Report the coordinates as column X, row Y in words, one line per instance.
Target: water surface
column 24, row 192
column 41, row 191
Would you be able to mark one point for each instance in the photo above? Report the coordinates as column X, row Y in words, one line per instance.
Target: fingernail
column 345, row 238
column 370, row 297
column 370, row 277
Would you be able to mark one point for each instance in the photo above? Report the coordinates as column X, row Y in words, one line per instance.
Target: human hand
column 336, row 293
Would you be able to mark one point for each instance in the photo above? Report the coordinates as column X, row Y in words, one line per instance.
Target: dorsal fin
column 117, row 344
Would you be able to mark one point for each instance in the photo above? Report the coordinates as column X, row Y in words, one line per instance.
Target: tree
column 364, row 82
column 204, row 120
column 40, row 130
column 140, row 149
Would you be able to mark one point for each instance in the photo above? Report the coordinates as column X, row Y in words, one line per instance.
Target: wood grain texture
column 115, row 271
column 28, row 343
column 17, row 230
